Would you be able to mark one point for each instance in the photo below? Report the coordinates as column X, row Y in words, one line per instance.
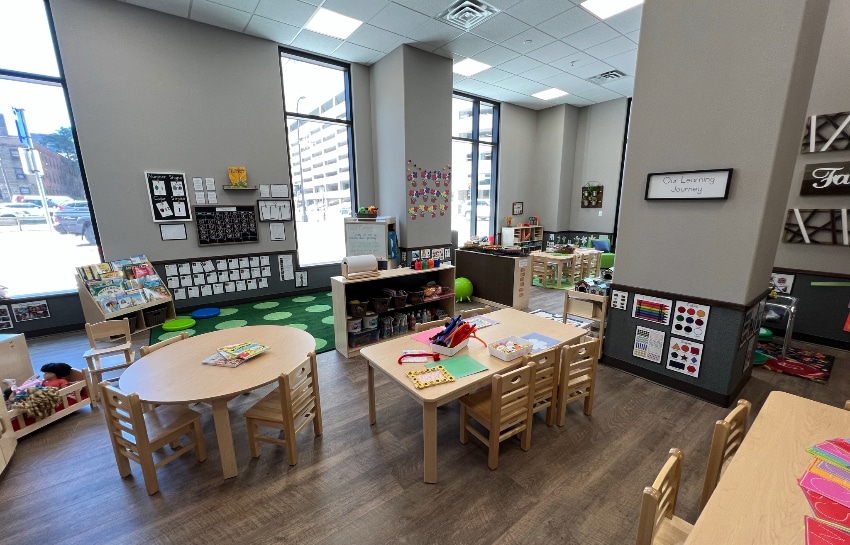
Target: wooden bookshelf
column 94, row 313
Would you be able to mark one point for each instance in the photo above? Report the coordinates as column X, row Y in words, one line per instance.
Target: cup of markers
column 453, row 338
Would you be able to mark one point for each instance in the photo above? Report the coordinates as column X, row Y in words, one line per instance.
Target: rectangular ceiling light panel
column 608, row 8
column 331, row 23
column 549, row 94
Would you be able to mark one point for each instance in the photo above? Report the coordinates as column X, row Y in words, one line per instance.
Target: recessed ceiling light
column 469, row 67
column 331, row 23
column 549, row 94
column 606, row 8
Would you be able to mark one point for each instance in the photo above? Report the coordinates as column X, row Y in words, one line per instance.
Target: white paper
column 185, row 268
column 243, row 262
column 255, row 261
column 212, row 197
column 172, row 232
column 197, row 267
column 198, row 184
column 301, row 279
column 264, row 260
column 286, row 269
column 218, row 289
column 164, row 209
column 266, row 271
column 277, row 231
column 199, row 279
column 177, row 189
column 649, row 344
column 180, row 209
column 206, row 290
column 244, row 274
column 620, row 299
column 684, row 356
column 171, row 270
column 212, row 277
column 255, row 272
column 179, row 293
column 690, row 320
column 221, row 264
column 194, row 291
column 200, row 198
column 263, row 283
column 240, row 285
column 251, row 284
column 210, row 184
column 159, row 187
column 229, row 287
column 185, row 280
column 280, row 191
column 233, row 263
column 265, row 193
column 223, row 276
column 209, row 266
column 234, row 274
column 173, row 282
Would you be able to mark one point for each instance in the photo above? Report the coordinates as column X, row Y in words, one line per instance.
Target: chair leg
column 464, row 422
column 291, row 445
column 493, row 454
column 562, row 407
column 550, row 411
column 525, row 436
column 121, row 461
column 252, row 440
column 588, row 402
column 149, row 472
column 198, row 437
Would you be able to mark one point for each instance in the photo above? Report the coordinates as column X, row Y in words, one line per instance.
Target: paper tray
column 510, row 356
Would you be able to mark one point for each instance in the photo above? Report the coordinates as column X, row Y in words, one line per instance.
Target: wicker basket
column 381, row 304
column 358, row 309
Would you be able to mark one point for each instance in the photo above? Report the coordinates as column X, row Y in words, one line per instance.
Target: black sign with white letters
column 826, row 179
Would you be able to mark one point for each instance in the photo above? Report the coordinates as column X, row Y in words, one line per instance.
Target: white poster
column 684, row 356
column 287, row 272
column 652, row 309
column 690, row 320
column 620, row 299
column 782, row 283
column 649, row 344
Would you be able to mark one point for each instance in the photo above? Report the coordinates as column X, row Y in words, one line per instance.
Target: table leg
column 370, row 380
column 559, row 269
column 429, row 437
column 223, row 432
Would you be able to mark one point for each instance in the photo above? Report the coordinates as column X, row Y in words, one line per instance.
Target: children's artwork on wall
column 437, row 253
column 684, row 356
column 649, row 344
column 782, row 283
column 428, row 191
column 690, row 320
column 620, row 299
column 5, row 317
column 652, row 309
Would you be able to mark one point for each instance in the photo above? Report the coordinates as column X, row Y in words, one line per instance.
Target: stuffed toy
column 54, row 374
column 37, row 402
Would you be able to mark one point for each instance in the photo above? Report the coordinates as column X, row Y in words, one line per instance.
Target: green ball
column 463, row 289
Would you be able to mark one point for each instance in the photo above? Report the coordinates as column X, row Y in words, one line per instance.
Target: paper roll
column 361, row 263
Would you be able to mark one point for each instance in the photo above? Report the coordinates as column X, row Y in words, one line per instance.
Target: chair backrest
column 546, row 368
column 108, row 330
column 728, row 435
column 659, row 500
column 512, row 399
column 145, row 350
column 124, row 417
column 584, row 304
column 847, row 405
column 300, row 392
column 578, row 360
column 431, row 325
column 475, row 312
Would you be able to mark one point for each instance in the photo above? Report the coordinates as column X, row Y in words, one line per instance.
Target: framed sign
column 169, row 196
column 172, row 231
column 695, row 184
column 275, row 210
column 517, row 209
column 826, row 179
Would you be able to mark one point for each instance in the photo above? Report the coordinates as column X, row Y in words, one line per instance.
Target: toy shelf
column 145, row 316
column 523, row 235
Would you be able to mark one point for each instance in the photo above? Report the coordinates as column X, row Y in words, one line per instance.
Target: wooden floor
column 361, row 484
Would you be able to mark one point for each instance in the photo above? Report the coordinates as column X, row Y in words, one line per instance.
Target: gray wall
column 516, row 158
column 154, row 92
column 361, row 108
column 599, row 150
column 388, row 132
column 830, row 94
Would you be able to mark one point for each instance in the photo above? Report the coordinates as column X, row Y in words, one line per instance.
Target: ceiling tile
column 241, row 5
column 423, row 46
column 430, row 8
column 590, row 70
column 626, row 21
column 541, row 72
column 624, row 86
column 434, row 33
column 470, row 85
column 399, row 19
column 521, row 85
column 204, row 11
column 533, row 103
column 569, row 83
column 552, row 52
column 173, row 7
column 573, row 61
column 535, row 12
column 467, row 45
column 362, row 10
column 503, row 4
column 625, row 62
column 500, row 27
column 352, row 52
column 271, row 30
column 315, row 42
column 573, row 100
column 618, row 45
column 492, row 75
column 591, row 36
column 537, row 40
column 457, row 78
column 501, row 94
column 520, row 65
column 569, row 22
column 291, row 12
column 377, row 38
column 601, row 94
column 496, row 55
column 634, row 36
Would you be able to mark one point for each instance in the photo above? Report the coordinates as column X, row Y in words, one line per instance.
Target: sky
column 26, row 46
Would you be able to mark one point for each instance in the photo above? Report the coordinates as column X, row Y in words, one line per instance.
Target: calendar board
column 226, row 224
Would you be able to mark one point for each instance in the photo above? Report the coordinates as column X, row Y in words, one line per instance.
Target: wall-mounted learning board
column 226, row 224
column 367, row 237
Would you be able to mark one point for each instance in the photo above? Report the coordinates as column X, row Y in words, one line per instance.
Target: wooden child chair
column 657, row 524
column 145, row 350
column 728, row 435
column 504, row 410
column 107, row 339
column 546, row 376
column 577, row 377
column 288, row 408
column 136, row 435
column 541, row 269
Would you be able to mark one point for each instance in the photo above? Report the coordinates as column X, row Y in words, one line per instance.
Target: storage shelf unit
column 94, row 313
column 14, row 363
column 525, row 236
column 591, row 307
column 344, row 290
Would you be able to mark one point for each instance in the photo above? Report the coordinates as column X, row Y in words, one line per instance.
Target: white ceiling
column 532, row 45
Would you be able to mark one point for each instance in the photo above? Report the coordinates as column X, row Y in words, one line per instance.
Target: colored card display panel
column 649, row 344
column 690, row 320
column 652, row 309
column 684, row 356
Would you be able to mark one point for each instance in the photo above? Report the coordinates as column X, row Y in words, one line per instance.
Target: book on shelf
column 238, row 176
column 123, row 283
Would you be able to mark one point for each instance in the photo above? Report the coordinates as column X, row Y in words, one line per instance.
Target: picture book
column 154, row 288
column 119, row 274
column 136, row 296
column 118, row 264
column 102, row 288
column 108, row 304
column 142, row 258
column 93, row 272
column 480, row 322
column 243, row 351
column 238, row 176
column 223, row 360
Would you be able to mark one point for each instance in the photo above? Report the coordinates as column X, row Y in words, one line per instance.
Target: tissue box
column 517, row 348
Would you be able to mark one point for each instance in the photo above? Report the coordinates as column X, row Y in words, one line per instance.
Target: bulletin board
column 226, row 224
column 169, row 196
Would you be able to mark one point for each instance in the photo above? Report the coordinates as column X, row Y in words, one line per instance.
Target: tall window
column 41, row 246
column 475, row 146
column 318, row 119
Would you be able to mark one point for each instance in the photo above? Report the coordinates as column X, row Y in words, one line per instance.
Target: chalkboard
column 168, row 196
column 226, row 224
column 368, row 237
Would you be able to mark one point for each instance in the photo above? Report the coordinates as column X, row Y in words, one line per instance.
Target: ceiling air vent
column 606, row 77
column 467, row 14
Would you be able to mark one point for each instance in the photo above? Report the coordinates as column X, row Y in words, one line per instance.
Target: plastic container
column 355, row 325
column 357, row 309
column 363, row 338
column 509, row 348
column 449, row 351
column 381, row 304
column 370, row 321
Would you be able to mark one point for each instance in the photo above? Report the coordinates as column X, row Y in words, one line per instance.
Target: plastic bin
column 363, row 338
column 515, row 352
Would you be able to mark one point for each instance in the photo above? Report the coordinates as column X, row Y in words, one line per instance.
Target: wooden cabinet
column 15, row 364
column 530, row 236
column 500, row 279
column 141, row 317
column 591, row 307
column 344, row 290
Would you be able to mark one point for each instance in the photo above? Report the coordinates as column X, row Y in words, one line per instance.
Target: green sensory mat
column 312, row 313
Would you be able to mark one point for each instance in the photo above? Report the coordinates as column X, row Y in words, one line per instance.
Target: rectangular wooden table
column 560, row 261
column 758, row 500
column 384, row 357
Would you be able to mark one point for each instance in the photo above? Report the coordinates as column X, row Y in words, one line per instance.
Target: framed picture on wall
column 517, row 209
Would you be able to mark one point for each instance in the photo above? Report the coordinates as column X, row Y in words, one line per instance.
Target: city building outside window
column 39, row 253
column 319, row 130
column 474, row 159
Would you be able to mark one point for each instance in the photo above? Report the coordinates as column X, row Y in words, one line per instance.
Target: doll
column 55, row 373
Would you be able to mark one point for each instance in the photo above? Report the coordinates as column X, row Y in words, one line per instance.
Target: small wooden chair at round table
column 175, row 374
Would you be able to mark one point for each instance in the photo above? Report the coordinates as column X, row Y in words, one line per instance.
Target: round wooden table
column 175, row 375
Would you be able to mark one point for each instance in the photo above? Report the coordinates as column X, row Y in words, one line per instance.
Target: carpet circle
column 277, row 316
column 318, row 308
column 178, row 324
column 303, row 299
column 169, row 334
column 227, row 324
column 228, row 311
column 320, row 343
column 328, row 320
column 298, row 326
column 267, row 304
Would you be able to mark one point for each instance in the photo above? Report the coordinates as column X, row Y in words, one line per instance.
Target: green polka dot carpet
column 312, row 313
